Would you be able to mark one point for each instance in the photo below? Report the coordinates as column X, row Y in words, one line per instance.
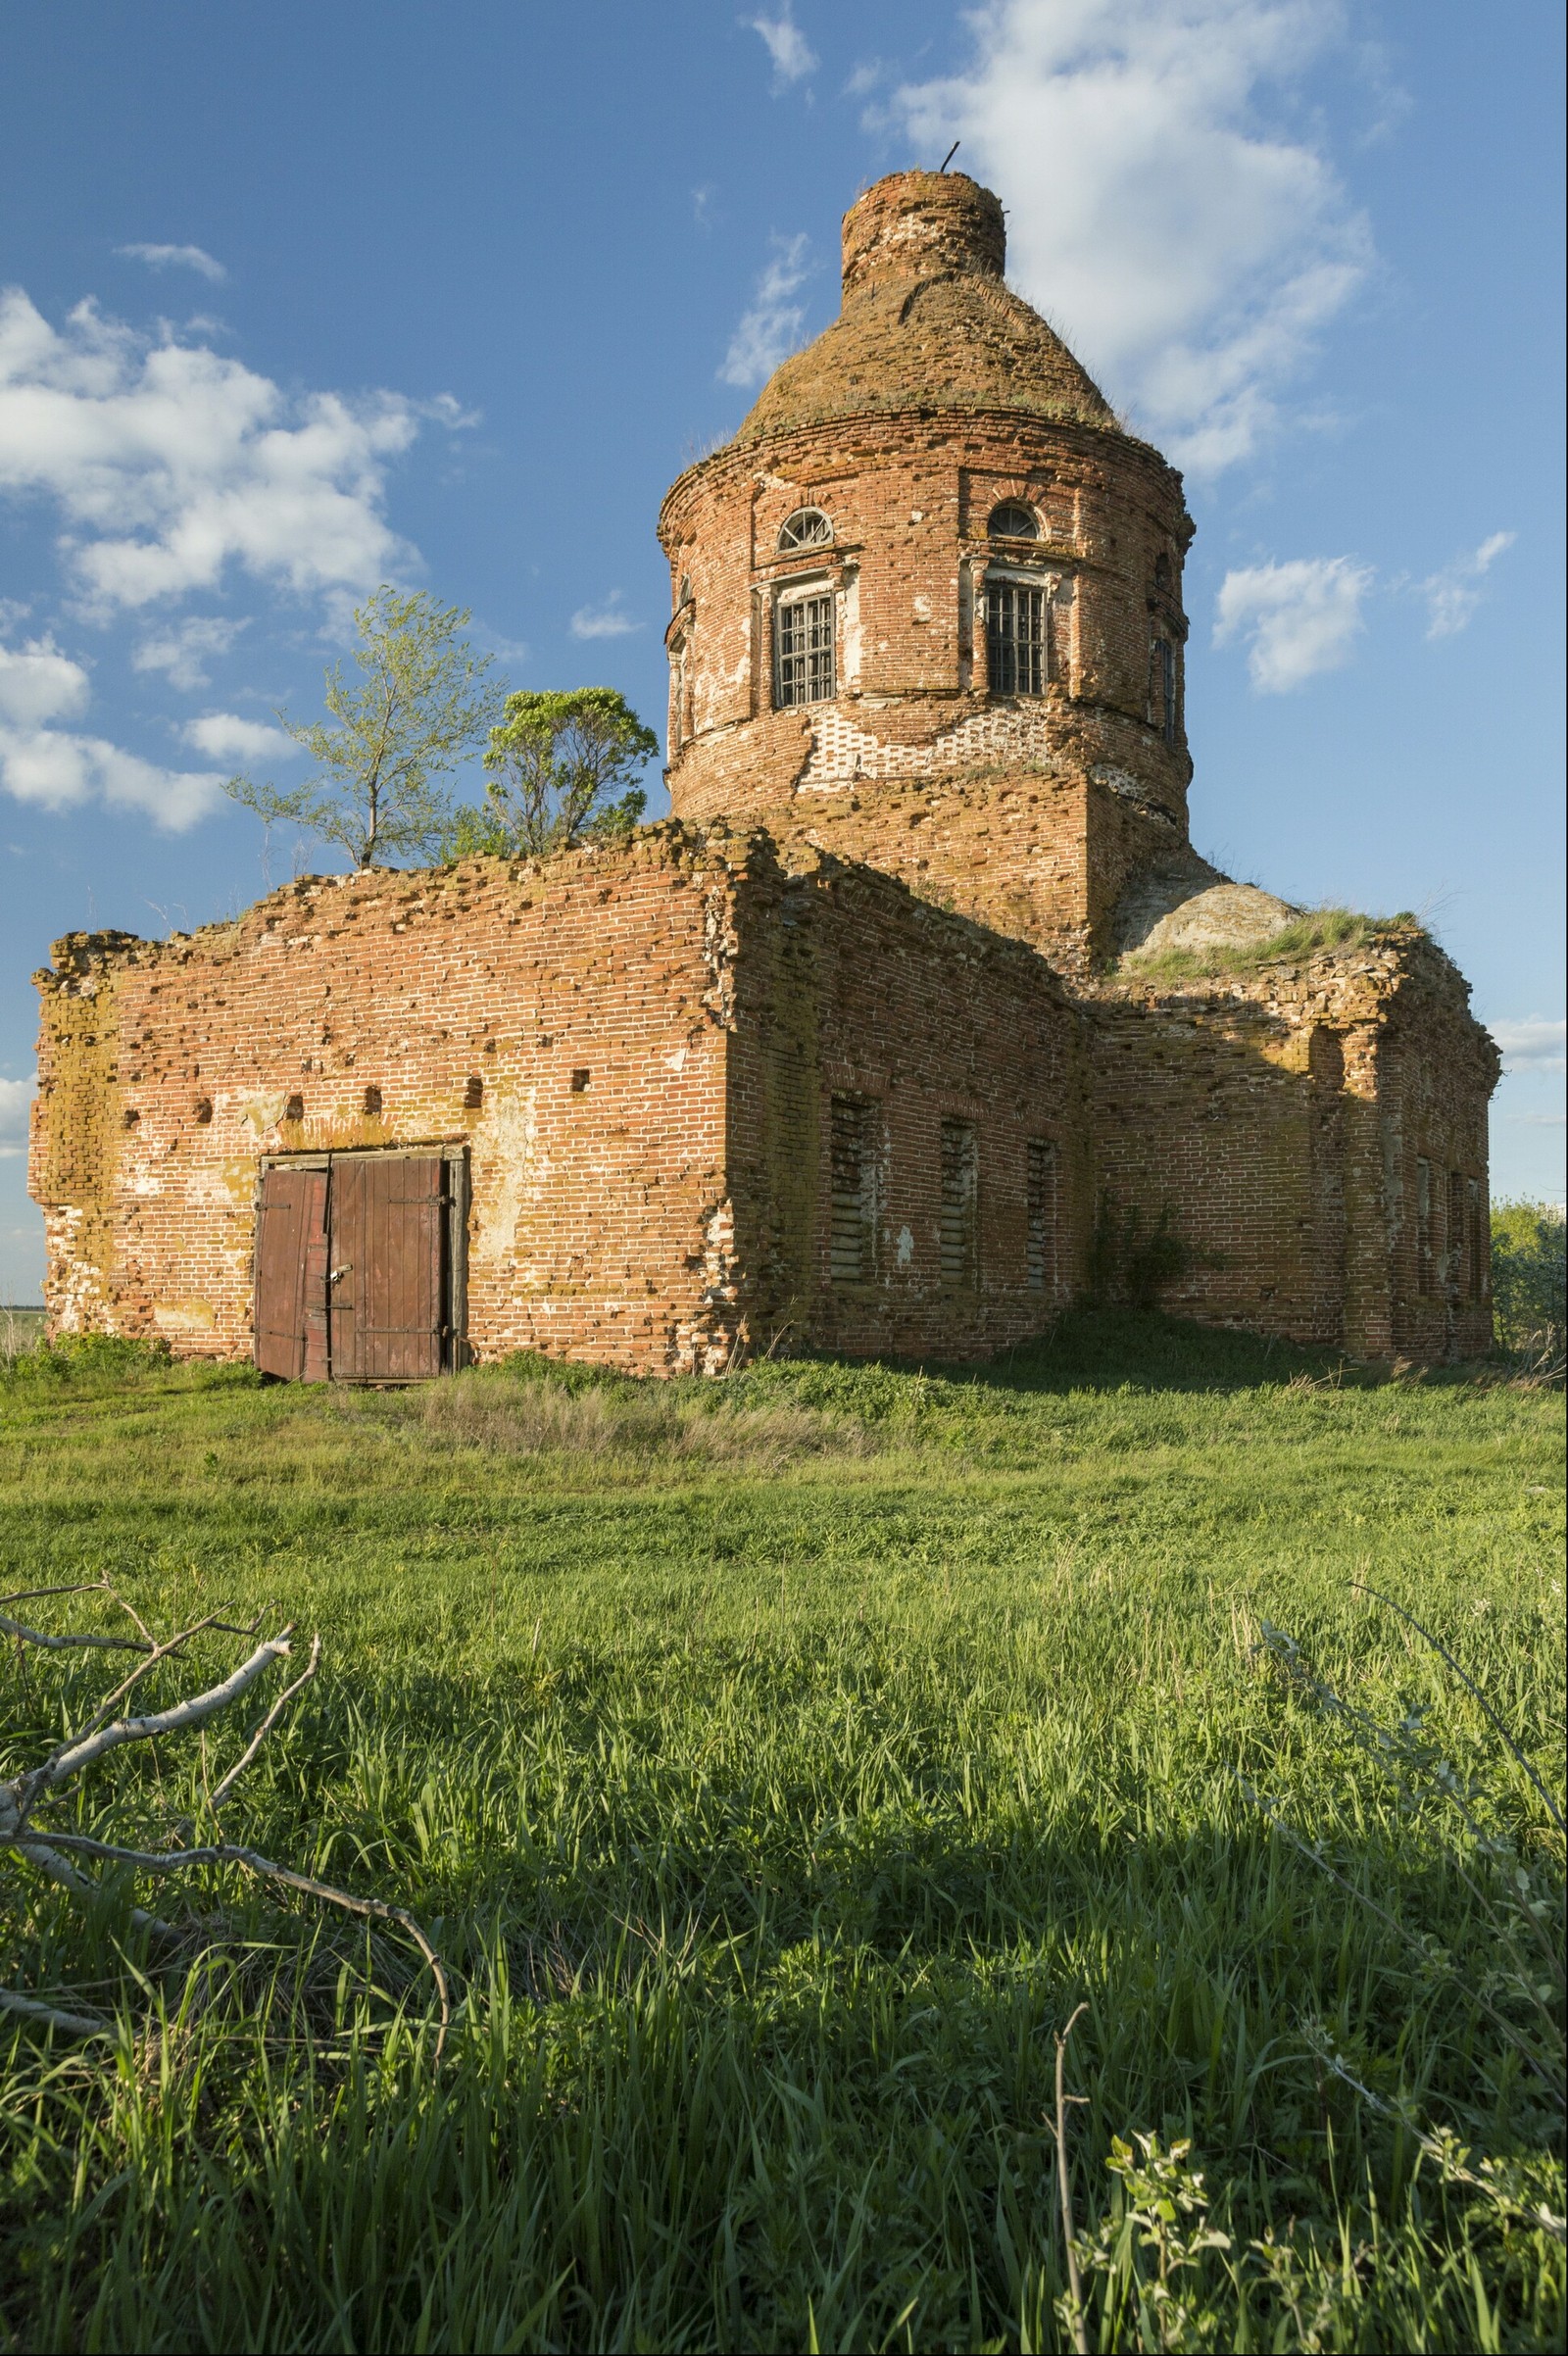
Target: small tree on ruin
column 562, row 768
column 423, row 703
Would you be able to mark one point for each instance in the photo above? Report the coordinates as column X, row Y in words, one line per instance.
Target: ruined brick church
column 865, row 1046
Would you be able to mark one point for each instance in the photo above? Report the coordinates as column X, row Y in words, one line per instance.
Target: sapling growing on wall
column 562, row 770
column 424, row 704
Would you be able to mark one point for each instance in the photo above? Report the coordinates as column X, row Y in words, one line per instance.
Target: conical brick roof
column 928, row 321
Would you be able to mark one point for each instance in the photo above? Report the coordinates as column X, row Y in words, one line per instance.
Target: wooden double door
column 358, row 1267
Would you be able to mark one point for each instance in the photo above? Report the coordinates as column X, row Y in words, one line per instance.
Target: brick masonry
column 882, row 927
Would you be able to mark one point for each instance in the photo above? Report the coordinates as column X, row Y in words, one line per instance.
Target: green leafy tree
column 562, row 768
column 1528, row 1274
column 423, row 703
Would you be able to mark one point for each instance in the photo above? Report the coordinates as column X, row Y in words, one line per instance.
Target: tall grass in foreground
column 780, row 1764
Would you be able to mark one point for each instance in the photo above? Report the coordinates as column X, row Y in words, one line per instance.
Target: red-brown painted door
column 291, row 1275
column 387, row 1275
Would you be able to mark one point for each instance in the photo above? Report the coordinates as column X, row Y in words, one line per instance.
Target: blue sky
column 301, row 298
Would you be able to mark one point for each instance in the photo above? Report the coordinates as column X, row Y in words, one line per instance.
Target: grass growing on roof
column 780, row 1762
column 1313, row 932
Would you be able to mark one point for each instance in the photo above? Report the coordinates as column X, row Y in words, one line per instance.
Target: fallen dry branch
column 53, row 1851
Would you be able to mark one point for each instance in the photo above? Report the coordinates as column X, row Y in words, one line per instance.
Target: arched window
column 807, row 527
column 1012, row 520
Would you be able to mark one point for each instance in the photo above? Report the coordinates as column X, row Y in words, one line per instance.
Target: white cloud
column 59, row 770
column 16, row 1104
column 175, row 257
column 170, row 463
column 603, row 621
column 1190, row 251
column 770, row 330
column 1299, row 618
column 1533, row 1043
column 182, row 651
column 1453, row 594
column 227, row 736
column 792, row 54
column 39, row 683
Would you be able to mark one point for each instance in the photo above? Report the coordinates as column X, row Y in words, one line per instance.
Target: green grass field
column 777, row 1764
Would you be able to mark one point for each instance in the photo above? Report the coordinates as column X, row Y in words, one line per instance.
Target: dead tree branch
column 54, row 1850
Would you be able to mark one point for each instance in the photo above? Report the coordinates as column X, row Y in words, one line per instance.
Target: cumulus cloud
column 792, row 54
column 1298, row 618
column 1534, row 1045
column 39, row 683
column 16, row 1104
column 227, row 736
column 182, row 653
column 771, row 328
column 607, row 620
column 1190, row 251
column 171, row 464
column 1453, row 594
column 175, row 257
column 59, row 770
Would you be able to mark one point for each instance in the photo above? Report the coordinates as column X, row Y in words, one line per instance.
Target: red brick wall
column 597, row 1210
column 847, row 983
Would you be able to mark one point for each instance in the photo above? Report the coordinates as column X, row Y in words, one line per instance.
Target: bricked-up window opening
column 1042, row 1206
column 851, row 1238
column 1477, row 1255
column 1013, row 522
column 807, row 527
column 579, row 1080
column 1163, row 697
column 372, row 1102
column 1455, row 1238
column 1423, row 1225
column 1162, row 572
column 961, row 1195
column 1018, row 641
column 804, row 670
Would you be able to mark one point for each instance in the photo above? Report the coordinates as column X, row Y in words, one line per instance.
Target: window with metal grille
column 959, row 1202
column 1012, row 520
column 807, row 527
column 1478, row 1240
column 1018, row 641
column 853, row 1234
column 1423, row 1225
column 803, row 662
column 1163, row 688
column 1042, row 1187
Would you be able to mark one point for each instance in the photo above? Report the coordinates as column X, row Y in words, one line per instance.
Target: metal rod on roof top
column 951, row 152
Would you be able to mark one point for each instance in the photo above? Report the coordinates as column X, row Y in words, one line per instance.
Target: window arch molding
column 806, row 527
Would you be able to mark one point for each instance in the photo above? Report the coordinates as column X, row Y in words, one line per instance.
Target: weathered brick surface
column 904, row 895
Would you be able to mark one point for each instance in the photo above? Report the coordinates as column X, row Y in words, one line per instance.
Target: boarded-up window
column 291, row 1274
column 1423, row 1224
column 853, row 1236
column 1041, row 1209
column 1476, row 1254
column 1018, row 641
column 959, row 1202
